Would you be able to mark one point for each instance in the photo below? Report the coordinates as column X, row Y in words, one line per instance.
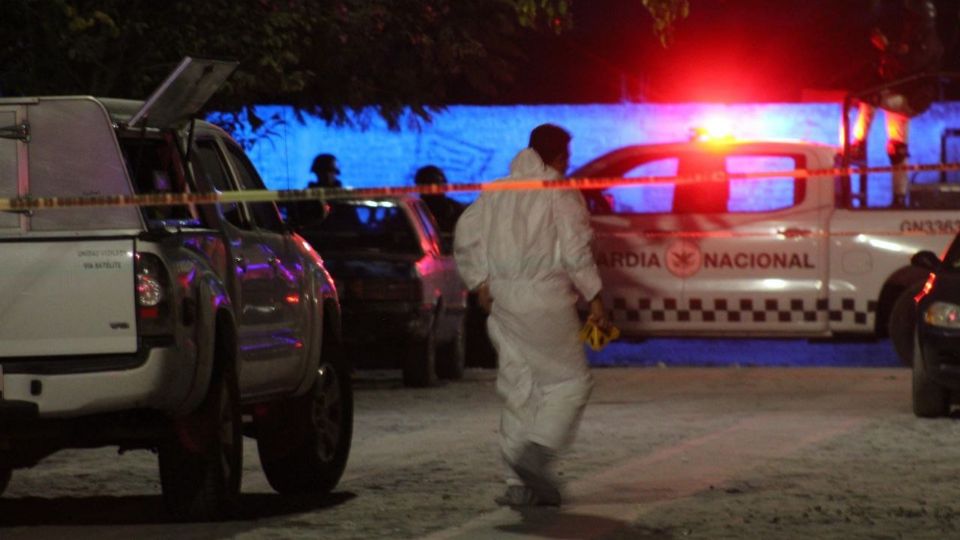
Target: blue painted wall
column 474, row 143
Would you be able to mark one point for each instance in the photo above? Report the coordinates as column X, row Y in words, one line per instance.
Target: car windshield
column 366, row 226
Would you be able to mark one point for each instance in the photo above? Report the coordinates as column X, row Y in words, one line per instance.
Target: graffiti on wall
column 459, row 159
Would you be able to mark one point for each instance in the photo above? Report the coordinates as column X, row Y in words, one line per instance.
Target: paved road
column 663, row 453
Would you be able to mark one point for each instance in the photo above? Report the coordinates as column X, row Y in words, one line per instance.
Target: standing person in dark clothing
column 905, row 38
column 446, row 210
column 327, row 172
column 310, row 213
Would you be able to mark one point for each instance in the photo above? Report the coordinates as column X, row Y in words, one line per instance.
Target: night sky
column 726, row 51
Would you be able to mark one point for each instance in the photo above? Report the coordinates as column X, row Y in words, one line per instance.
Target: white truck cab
column 770, row 257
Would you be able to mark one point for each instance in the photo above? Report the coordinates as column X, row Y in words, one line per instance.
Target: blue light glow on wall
column 476, row 144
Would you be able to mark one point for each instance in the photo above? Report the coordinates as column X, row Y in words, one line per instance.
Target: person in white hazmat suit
column 527, row 254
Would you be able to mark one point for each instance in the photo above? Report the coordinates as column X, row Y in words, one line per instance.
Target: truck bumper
column 64, row 388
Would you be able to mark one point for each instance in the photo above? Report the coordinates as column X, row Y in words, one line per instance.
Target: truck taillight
column 154, row 311
column 149, row 291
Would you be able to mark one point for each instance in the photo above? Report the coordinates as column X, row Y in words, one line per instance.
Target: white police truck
column 791, row 257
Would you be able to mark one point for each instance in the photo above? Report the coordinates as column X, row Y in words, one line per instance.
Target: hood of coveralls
column 528, row 164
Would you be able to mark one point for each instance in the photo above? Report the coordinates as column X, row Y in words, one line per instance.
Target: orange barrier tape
column 22, row 204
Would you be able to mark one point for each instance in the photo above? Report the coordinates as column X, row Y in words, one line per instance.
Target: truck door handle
column 793, row 232
column 241, row 262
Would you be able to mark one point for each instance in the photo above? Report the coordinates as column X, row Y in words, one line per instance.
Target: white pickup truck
column 774, row 257
column 176, row 328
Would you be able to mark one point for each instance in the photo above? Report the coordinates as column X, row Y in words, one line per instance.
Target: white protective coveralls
column 533, row 249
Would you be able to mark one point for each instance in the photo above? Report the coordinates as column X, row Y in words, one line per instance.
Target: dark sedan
column 403, row 302
column 936, row 361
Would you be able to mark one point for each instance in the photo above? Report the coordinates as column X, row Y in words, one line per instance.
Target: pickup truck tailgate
column 67, row 298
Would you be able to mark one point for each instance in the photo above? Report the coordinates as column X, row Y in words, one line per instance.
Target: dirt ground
column 709, row 453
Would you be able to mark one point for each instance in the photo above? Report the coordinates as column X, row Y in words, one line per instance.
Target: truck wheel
column 930, row 400
column 5, row 474
column 201, row 465
column 420, row 362
column 304, row 441
column 452, row 356
column 902, row 324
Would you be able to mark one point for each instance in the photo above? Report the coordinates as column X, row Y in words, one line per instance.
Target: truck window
column 265, row 214
column 644, row 199
column 212, row 172
column 154, row 167
column 701, row 197
column 764, row 194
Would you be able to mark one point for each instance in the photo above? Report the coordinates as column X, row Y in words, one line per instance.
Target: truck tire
column 420, row 361
column 930, row 400
column 201, row 466
column 452, row 356
column 902, row 324
column 304, row 441
column 5, row 474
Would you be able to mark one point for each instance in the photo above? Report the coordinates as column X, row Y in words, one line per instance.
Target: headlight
column 942, row 314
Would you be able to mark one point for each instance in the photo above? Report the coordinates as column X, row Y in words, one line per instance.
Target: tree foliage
column 325, row 57
column 666, row 13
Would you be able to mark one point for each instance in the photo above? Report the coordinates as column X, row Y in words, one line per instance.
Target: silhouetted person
column 309, row 213
column 444, row 209
column 326, row 171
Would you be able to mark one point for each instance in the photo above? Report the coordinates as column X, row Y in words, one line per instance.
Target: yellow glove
column 597, row 339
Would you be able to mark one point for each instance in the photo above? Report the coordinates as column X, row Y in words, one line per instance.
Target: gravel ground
column 663, row 453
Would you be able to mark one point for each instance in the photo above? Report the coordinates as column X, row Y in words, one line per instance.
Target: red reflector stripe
column 149, row 312
column 926, row 288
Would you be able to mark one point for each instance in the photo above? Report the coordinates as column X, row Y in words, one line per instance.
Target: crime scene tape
column 22, row 204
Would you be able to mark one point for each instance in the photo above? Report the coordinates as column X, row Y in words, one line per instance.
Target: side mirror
column 926, row 259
